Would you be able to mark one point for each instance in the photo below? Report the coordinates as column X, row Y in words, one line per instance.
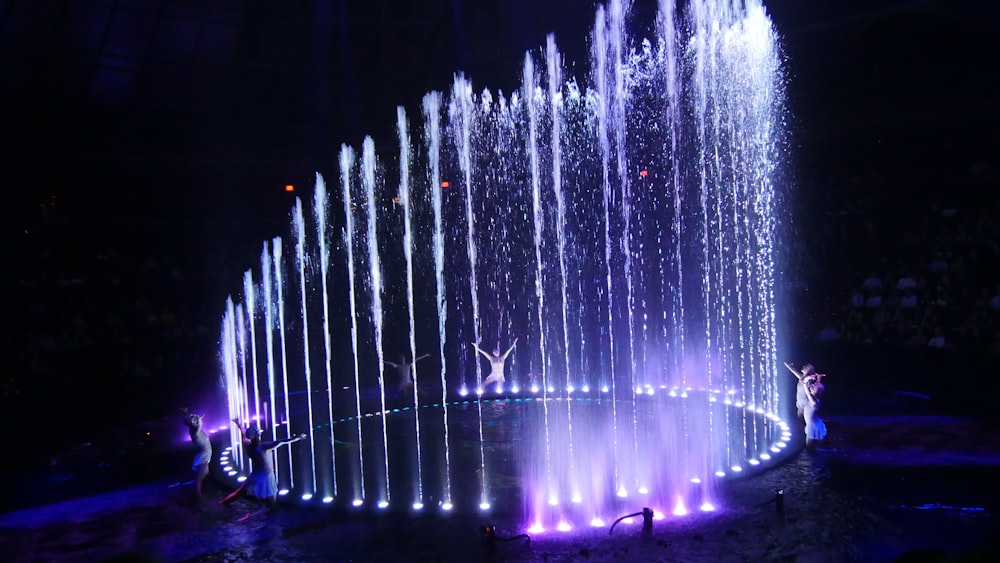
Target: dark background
column 146, row 144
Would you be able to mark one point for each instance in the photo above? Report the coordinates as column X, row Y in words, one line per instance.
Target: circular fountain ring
column 501, row 457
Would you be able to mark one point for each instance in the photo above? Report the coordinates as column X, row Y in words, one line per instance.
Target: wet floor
column 858, row 499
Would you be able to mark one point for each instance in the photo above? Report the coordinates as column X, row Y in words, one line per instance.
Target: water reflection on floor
column 837, row 506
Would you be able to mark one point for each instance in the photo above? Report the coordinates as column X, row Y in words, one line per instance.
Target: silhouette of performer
column 405, row 370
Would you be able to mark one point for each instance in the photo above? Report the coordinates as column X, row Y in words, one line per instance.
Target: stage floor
column 881, row 487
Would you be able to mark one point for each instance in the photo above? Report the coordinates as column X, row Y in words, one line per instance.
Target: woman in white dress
column 800, row 392
column 262, row 482
column 815, row 427
column 204, row 446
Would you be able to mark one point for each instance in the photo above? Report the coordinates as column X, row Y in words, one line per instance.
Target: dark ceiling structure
column 145, row 103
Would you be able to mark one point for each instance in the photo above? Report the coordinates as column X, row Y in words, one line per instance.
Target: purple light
column 564, row 527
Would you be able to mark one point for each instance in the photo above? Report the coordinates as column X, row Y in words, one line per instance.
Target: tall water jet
column 619, row 226
column 461, row 112
column 346, row 168
column 320, row 208
column 368, row 181
column 404, row 198
column 432, row 133
column 299, row 226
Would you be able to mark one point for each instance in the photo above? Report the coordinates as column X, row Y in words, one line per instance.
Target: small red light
column 445, row 184
column 289, row 188
column 644, row 173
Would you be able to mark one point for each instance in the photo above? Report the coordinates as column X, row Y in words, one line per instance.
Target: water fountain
column 623, row 232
